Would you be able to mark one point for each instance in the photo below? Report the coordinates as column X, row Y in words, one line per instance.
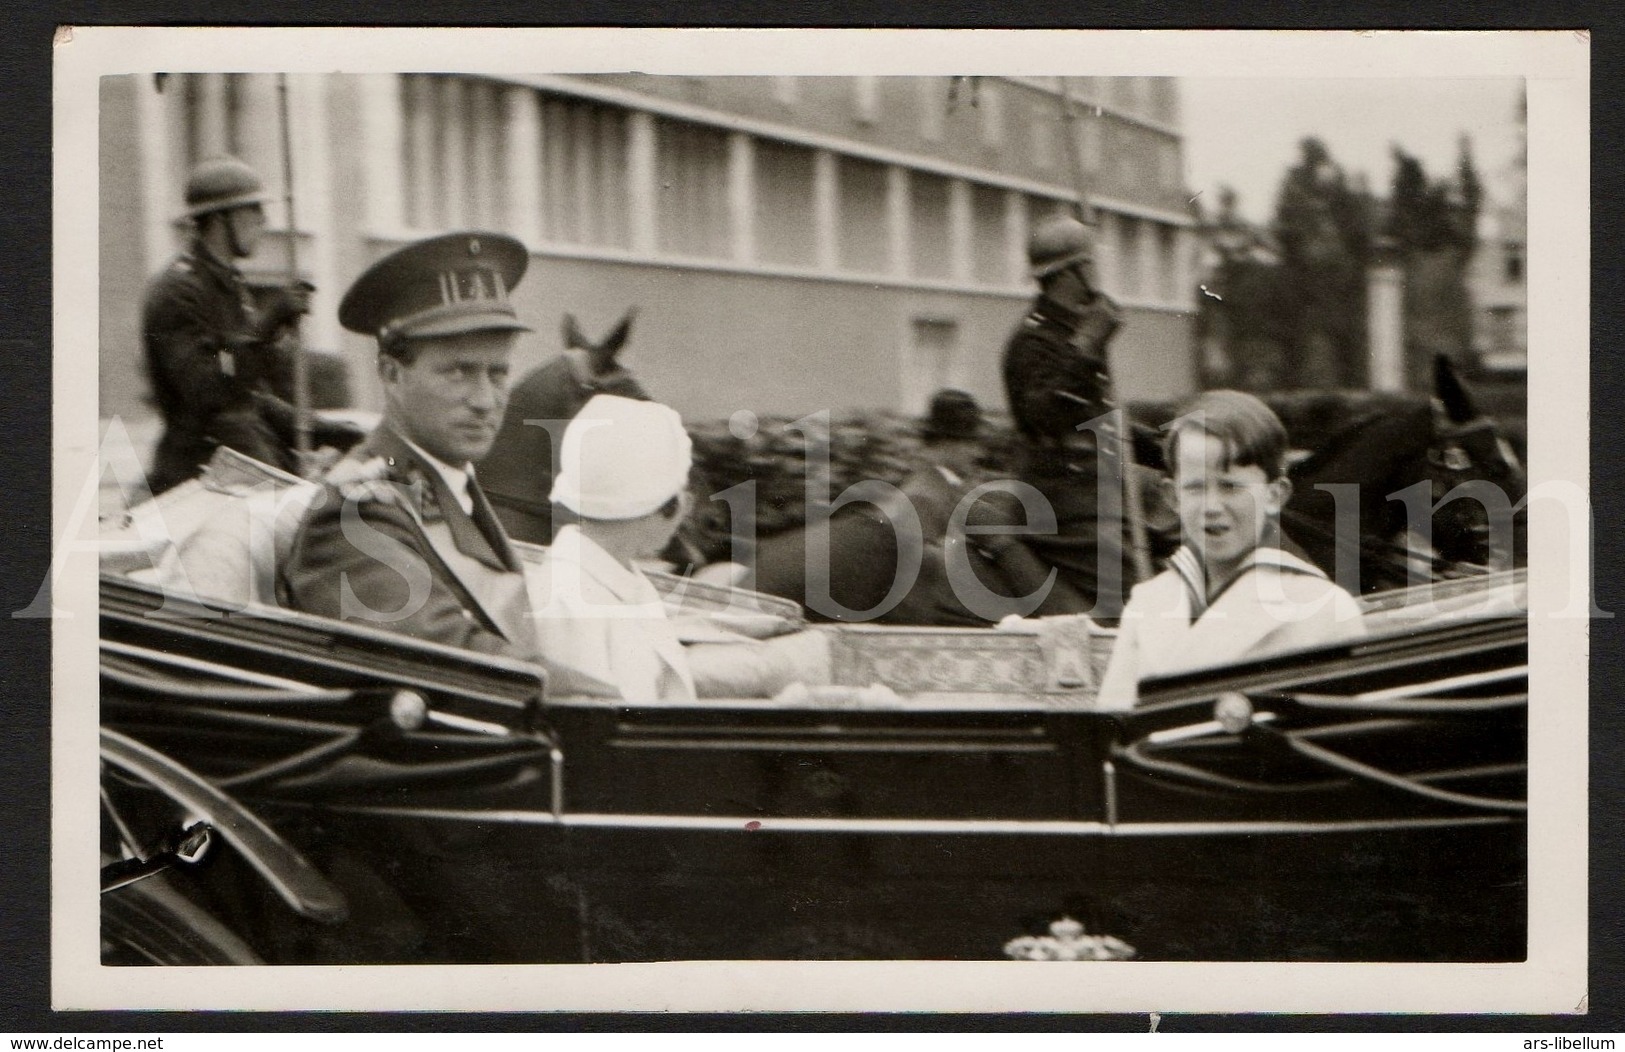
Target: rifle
column 1118, row 445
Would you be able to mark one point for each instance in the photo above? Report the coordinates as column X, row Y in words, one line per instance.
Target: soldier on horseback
column 214, row 358
column 1059, row 388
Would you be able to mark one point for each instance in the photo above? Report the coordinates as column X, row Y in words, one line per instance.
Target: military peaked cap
column 444, row 286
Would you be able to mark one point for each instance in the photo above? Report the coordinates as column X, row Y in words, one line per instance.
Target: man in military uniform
column 409, row 541
column 212, row 357
column 1057, row 380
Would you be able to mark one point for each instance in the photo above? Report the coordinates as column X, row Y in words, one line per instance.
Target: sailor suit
column 1276, row 602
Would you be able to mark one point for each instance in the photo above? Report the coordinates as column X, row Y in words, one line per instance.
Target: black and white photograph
column 831, row 519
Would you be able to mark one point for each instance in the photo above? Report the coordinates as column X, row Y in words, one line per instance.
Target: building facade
column 793, row 244
column 1498, row 280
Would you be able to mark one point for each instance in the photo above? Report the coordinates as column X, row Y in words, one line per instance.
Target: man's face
column 1224, row 509
column 451, row 398
column 246, row 226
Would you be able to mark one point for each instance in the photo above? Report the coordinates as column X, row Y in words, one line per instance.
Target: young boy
column 1231, row 591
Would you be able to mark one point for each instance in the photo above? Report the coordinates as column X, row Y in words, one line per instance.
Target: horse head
column 1471, row 459
column 601, row 353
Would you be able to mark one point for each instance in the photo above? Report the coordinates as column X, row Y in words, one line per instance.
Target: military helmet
column 1058, row 242
column 222, row 183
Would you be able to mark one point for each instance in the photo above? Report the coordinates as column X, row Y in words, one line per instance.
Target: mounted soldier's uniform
column 1055, row 372
column 1059, row 388
column 211, row 357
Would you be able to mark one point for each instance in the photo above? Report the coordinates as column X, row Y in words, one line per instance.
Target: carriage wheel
column 149, row 922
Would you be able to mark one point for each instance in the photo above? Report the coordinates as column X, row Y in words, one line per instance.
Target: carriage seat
column 218, row 537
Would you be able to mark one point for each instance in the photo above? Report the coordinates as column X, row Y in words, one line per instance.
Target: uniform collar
column 221, row 268
column 456, row 479
column 1055, row 311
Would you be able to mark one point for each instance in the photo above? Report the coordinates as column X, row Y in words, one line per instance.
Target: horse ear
column 617, row 336
column 1458, row 404
column 573, row 337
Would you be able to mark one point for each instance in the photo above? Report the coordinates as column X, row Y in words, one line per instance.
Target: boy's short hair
column 1252, row 434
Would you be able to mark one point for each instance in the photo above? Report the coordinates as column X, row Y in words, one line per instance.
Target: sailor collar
column 1188, row 565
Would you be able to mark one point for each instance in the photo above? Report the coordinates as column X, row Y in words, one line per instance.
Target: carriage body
column 506, row 826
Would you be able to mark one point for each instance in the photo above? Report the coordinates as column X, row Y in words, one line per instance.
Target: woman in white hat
column 623, row 476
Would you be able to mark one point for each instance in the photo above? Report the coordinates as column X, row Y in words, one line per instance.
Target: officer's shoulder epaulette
column 414, row 479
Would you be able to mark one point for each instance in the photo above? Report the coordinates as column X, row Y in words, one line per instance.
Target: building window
column 933, row 100
column 1122, row 93
column 1041, row 148
column 862, row 210
column 988, row 250
column 1164, row 100
column 1168, row 164
column 584, row 165
column 1107, row 258
column 930, row 251
column 1169, row 270
column 1135, row 151
column 930, row 360
column 485, row 151
column 991, row 105
column 866, row 99
column 1129, row 260
column 1512, row 267
column 213, row 106
column 786, row 233
column 691, row 174
column 1091, row 136
column 452, row 151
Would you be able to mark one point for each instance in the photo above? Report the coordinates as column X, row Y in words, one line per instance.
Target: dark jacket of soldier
column 212, row 362
column 1055, row 373
column 1056, row 378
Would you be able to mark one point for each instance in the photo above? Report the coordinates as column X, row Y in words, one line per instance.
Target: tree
column 1322, row 227
column 1434, row 226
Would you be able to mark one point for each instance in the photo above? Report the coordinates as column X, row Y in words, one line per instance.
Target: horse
column 517, row 474
column 1423, row 468
column 1371, row 476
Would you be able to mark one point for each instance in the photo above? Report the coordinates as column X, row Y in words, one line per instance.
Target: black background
column 25, row 463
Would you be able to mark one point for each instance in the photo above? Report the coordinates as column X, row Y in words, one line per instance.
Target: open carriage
column 285, row 788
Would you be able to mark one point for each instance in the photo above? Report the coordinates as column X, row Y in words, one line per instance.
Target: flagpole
column 301, row 373
column 1120, row 443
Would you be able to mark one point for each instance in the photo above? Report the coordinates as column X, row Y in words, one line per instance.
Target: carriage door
column 930, row 361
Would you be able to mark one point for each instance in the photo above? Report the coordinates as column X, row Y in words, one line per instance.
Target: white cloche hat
column 622, row 458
